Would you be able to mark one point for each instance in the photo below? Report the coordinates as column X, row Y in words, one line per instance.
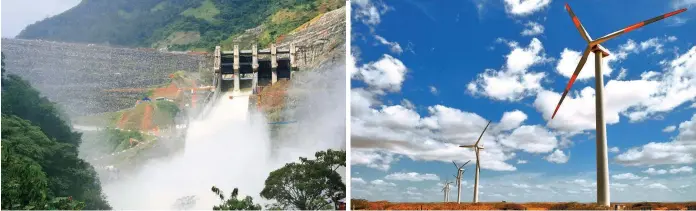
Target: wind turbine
column 600, row 52
column 446, row 189
column 477, row 148
column 460, row 170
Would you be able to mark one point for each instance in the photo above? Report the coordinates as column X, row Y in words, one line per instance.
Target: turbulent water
column 231, row 147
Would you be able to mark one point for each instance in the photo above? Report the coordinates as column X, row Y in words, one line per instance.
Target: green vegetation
column 206, row 11
column 309, row 184
column 40, row 167
column 233, row 203
column 120, row 140
column 177, row 24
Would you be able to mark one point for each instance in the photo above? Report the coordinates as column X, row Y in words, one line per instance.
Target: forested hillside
column 176, row 24
column 40, row 164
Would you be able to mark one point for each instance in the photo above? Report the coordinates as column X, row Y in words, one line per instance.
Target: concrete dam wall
column 76, row 75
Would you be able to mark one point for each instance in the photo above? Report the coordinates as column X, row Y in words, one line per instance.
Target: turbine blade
column 572, row 78
column 635, row 26
column 467, row 162
column 455, row 165
column 467, row 146
column 578, row 25
column 484, row 130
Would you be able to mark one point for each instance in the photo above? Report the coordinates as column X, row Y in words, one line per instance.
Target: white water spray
column 231, row 147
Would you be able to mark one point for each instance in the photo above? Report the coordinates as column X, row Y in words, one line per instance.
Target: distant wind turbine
column 477, row 148
column 460, row 171
column 446, row 189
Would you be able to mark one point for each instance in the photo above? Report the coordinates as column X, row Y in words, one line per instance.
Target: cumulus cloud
column 653, row 171
column 513, row 82
column 657, row 186
column 532, row 29
column 557, row 157
column 412, row 176
column 385, row 74
column 626, row 176
column 683, row 169
column 681, row 150
column 357, row 180
column 379, row 182
column 393, row 46
column 635, row 99
column 614, row 149
column 511, row 119
column 522, row 161
column 534, row 139
column 525, row 7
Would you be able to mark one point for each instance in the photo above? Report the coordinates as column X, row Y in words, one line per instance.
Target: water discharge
column 231, row 147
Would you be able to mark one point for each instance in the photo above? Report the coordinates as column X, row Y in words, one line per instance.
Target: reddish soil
column 357, row 204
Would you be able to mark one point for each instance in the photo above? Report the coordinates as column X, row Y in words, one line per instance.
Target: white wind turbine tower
column 477, row 148
column 594, row 46
column 446, row 189
column 460, row 171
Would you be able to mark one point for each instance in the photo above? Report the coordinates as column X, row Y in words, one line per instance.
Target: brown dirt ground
column 386, row 205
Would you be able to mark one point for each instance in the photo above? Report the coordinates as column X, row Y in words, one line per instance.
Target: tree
column 35, row 140
column 25, row 185
column 309, row 184
column 233, row 203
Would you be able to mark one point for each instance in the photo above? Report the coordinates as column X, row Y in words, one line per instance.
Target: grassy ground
column 358, row 204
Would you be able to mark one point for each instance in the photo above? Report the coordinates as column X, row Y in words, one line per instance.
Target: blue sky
column 428, row 75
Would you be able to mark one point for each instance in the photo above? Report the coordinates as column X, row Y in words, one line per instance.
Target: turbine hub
column 600, row 48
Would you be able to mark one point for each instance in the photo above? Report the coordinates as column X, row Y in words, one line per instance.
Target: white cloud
column 622, row 74
column 398, row 130
column 520, row 185
column 513, row 82
column 433, row 90
column 681, row 150
column 411, row 176
column 525, row 7
column 670, row 128
column 385, row 74
column 657, row 186
column 532, row 29
column 653, row 171
column 369, row 12
column 380, row 182
column 557, row 157
column 626, row 176
column 357, row 180
column 683, row 3
column 570, row 59
column 394, row 46
column 534, row 139
column 614, row 149
column 683, row 169
column 522, row 161
column 635, row 99
column 371, row 158
column 408, row 104
column 511, row 120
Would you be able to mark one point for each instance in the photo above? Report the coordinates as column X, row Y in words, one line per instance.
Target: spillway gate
column 243, row 69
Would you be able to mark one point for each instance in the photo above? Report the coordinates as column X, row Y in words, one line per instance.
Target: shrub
column 359, row 204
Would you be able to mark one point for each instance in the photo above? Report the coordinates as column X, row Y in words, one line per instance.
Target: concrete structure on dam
column 75, row 75
column 254, row 67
